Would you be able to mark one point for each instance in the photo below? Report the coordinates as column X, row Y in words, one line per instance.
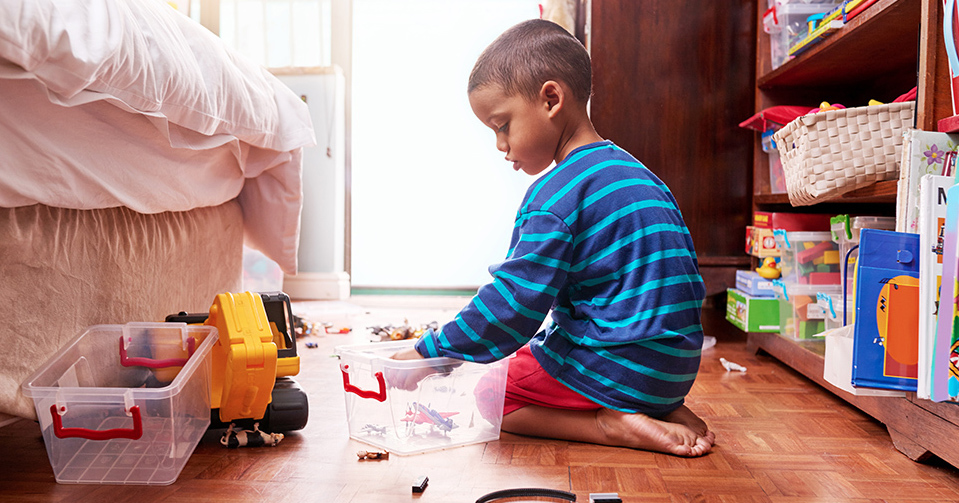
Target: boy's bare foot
column 681, row 432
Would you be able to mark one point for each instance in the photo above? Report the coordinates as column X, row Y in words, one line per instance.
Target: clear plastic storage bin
column 800, row 315
column 786, row 24
column 125, row 404
column 415, row 406
column 845, row 232
column 808, row 258
column 833, row 310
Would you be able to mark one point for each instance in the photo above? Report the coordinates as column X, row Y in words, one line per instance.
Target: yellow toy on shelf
column 770, row 269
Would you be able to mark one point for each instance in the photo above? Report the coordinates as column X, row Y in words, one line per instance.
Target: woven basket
column 827, row 154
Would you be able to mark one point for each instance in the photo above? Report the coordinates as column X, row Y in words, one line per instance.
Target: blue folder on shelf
column 885, row 342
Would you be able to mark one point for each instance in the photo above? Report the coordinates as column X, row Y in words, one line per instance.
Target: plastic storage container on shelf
column 845, row 232
column 833, row 309
column 125, row 404
column 777, row 177
column 415, row 406
column 808, row 258
column 786, row 23
column 800, row 315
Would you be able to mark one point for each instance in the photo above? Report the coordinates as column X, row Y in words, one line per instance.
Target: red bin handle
column 128, row 361
column 379, row 396
column 133, row 433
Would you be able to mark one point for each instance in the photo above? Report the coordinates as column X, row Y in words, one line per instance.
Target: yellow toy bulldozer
column 253, row 361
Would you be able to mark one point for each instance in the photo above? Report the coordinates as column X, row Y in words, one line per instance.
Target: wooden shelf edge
column 879, row 192
column 908, row 417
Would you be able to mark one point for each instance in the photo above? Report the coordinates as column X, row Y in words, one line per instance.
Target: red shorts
column 528, row 384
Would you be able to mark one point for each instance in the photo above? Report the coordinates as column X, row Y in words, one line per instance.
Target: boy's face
column 523, row 128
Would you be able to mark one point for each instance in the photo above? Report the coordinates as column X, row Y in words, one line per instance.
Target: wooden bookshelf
column 890, row 47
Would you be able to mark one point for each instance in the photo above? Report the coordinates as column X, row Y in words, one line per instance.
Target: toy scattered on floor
column 311, row 345
column 342, row 330
column 402, row 332
column 418, row 413
column 419, row 484
column 731, row 366
column 372, row 455
column 302, row 327
column 770, row 269
column 249, row 438
column 604, row 498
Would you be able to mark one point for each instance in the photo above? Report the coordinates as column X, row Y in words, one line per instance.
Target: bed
column 138, row 155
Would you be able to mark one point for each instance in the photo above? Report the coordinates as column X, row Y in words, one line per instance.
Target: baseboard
column 317, row 286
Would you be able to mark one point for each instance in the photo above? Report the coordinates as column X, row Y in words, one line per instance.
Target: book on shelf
column 885, row 340
column 923, row 153
column 943, row 366
column 932, row 216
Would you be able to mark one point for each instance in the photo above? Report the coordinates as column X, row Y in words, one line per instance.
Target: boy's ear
column 552, row 96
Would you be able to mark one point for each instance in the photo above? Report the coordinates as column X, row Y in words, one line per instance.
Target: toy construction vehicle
column 253, row 361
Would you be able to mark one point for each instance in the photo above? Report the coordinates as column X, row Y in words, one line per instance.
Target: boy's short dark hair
column 530, row 53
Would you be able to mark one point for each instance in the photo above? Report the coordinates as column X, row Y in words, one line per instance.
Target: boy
column 600, row 241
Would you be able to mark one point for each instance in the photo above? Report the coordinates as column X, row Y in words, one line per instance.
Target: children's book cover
column 943, row 365
column 885, row 342
column 923, row 153
column 932, row 216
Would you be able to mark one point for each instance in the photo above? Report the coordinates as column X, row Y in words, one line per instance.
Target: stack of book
column 905, row 282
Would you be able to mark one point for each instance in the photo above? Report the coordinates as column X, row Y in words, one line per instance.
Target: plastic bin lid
column 786, row 237
column 887, row 223
column 786, row 289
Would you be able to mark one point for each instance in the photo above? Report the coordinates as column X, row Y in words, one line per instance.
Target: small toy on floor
column 303, row 327
column 372, row 455
column 246, row 438
column 402, row 332
column 730, row 366
column 420, row 483
column 604, row 498
column 328, row 328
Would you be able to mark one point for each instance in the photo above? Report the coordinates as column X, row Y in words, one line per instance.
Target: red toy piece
column 810, row 254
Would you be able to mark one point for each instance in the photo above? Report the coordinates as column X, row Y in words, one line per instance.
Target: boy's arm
column 506, row 313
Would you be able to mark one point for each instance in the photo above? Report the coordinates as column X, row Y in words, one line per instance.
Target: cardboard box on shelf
column 752, row 314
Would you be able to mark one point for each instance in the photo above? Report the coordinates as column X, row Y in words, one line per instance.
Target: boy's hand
column 407, row 354
column 407, row 379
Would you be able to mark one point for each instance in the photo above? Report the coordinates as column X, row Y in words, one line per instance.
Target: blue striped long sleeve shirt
column 599, row 240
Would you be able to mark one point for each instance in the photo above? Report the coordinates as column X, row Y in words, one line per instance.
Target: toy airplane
column 421, row 414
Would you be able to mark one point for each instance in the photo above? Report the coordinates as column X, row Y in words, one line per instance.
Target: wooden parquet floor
column 780, row 438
